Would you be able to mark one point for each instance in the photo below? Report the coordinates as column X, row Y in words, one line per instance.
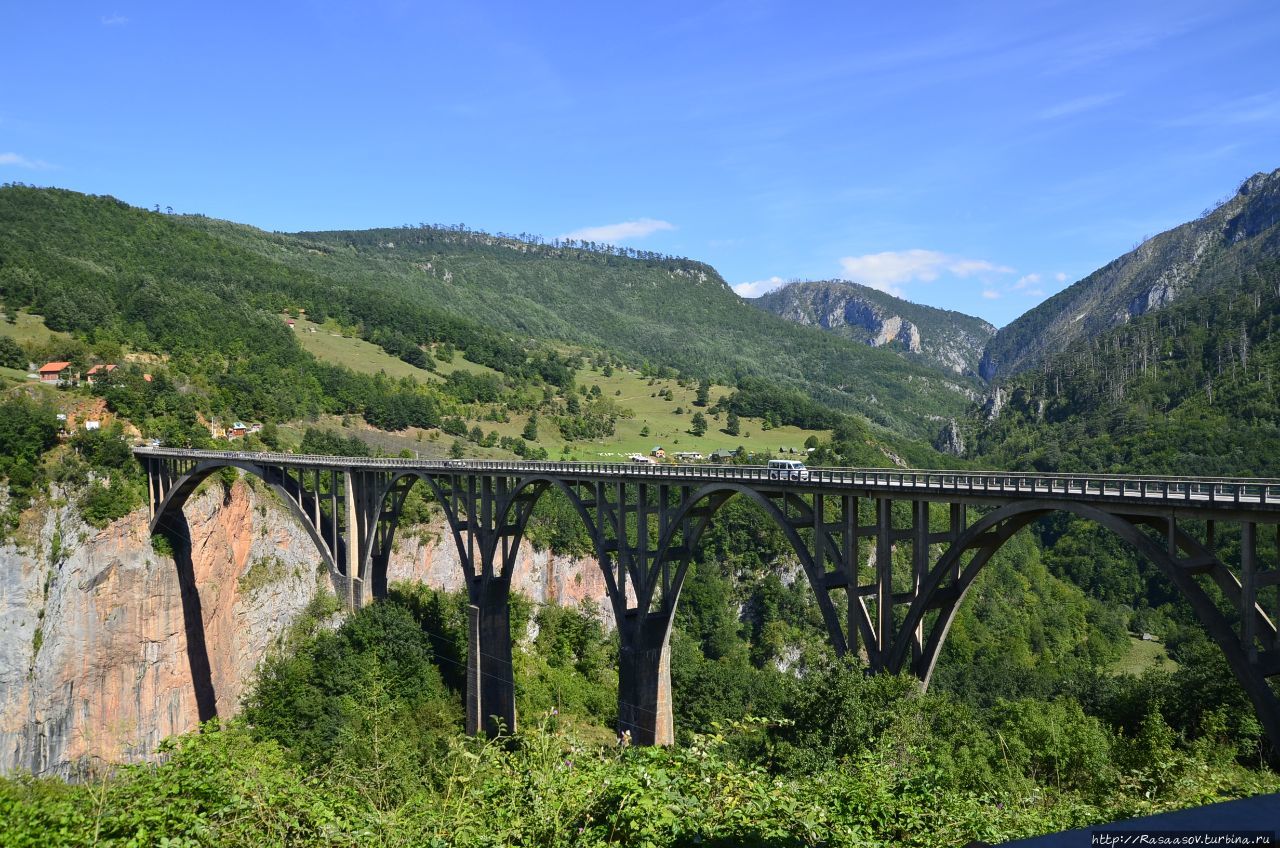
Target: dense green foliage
column 27, row 430
column 11, row 354
column 102, row 468
column 340, row 693
column 350, row 737
column 96, row 468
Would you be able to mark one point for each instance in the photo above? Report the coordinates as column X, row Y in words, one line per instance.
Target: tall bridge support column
column 487, row 517
column 644, row 680
column 644, row 535
column 491, row 688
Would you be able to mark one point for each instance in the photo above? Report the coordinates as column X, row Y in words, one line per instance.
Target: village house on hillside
column 235, row 430
column 97, row 372
column 58, row 374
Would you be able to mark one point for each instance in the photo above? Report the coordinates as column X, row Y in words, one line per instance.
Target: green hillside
column 187, row 284
column 1193, row 388
column 207, row 306
column 643, row 308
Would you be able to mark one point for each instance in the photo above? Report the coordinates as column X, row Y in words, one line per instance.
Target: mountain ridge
column 1148, row 278
column 947, row 339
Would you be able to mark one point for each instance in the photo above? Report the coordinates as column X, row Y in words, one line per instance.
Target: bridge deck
column 1137, row 490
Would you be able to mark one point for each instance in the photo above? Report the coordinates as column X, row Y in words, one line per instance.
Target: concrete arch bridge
column 645, row 521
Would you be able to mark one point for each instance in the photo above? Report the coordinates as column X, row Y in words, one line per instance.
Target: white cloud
column 758, row 287
column 991, row 294
column 1076, row 106
column 1060, row 277
column 21, row 161
column 888, row 271
column 114, row 20
column 614, row 233
column 1025, row 281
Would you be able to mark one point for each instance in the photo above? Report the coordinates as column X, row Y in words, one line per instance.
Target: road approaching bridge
column 645, row 522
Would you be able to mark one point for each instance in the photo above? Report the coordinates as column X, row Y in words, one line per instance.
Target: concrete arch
column 502, row 517
column 176, row 496
column 715, row 496
column 991, row 532
column 379, row 499
column 542, row 484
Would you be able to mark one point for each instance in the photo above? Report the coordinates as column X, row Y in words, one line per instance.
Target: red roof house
column 98, row 371
column 55, row 372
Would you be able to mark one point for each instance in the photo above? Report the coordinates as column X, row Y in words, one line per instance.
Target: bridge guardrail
column 1197, row 490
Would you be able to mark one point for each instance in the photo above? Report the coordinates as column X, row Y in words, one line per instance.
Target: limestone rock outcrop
column 950, row 440
column 95, row 663
column 947, row 340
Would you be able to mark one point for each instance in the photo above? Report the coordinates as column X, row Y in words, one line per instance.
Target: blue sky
column 974, row 156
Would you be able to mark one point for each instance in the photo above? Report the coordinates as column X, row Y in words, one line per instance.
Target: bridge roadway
column 845, row 525
column 1227, row 493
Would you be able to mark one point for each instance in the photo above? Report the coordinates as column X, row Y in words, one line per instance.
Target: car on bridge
column 787, row 469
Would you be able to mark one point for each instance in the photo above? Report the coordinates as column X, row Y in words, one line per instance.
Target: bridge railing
column 1191, row 490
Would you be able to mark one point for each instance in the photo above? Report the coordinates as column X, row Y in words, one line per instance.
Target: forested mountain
column 1195, row 259
column 948, row 340
column 212, row 291
column 644, row 307
column 1185, row 383
column 1190, row 389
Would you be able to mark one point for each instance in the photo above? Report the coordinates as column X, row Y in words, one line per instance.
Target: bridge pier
column 491, row 687
column 487, row 517
column 644, row 680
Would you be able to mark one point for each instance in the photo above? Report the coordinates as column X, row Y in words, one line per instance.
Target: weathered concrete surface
column 108, row 677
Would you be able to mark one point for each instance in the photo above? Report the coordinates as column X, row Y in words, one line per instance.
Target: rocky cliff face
column 949, row 340
column 94, row 655
column 1197, row 256
column 950, row 440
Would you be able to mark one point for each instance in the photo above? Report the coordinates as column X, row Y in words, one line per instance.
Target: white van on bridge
column 787, row 469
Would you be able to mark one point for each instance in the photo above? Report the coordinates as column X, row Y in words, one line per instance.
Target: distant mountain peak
column 950, row 340
column 1260, row 182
